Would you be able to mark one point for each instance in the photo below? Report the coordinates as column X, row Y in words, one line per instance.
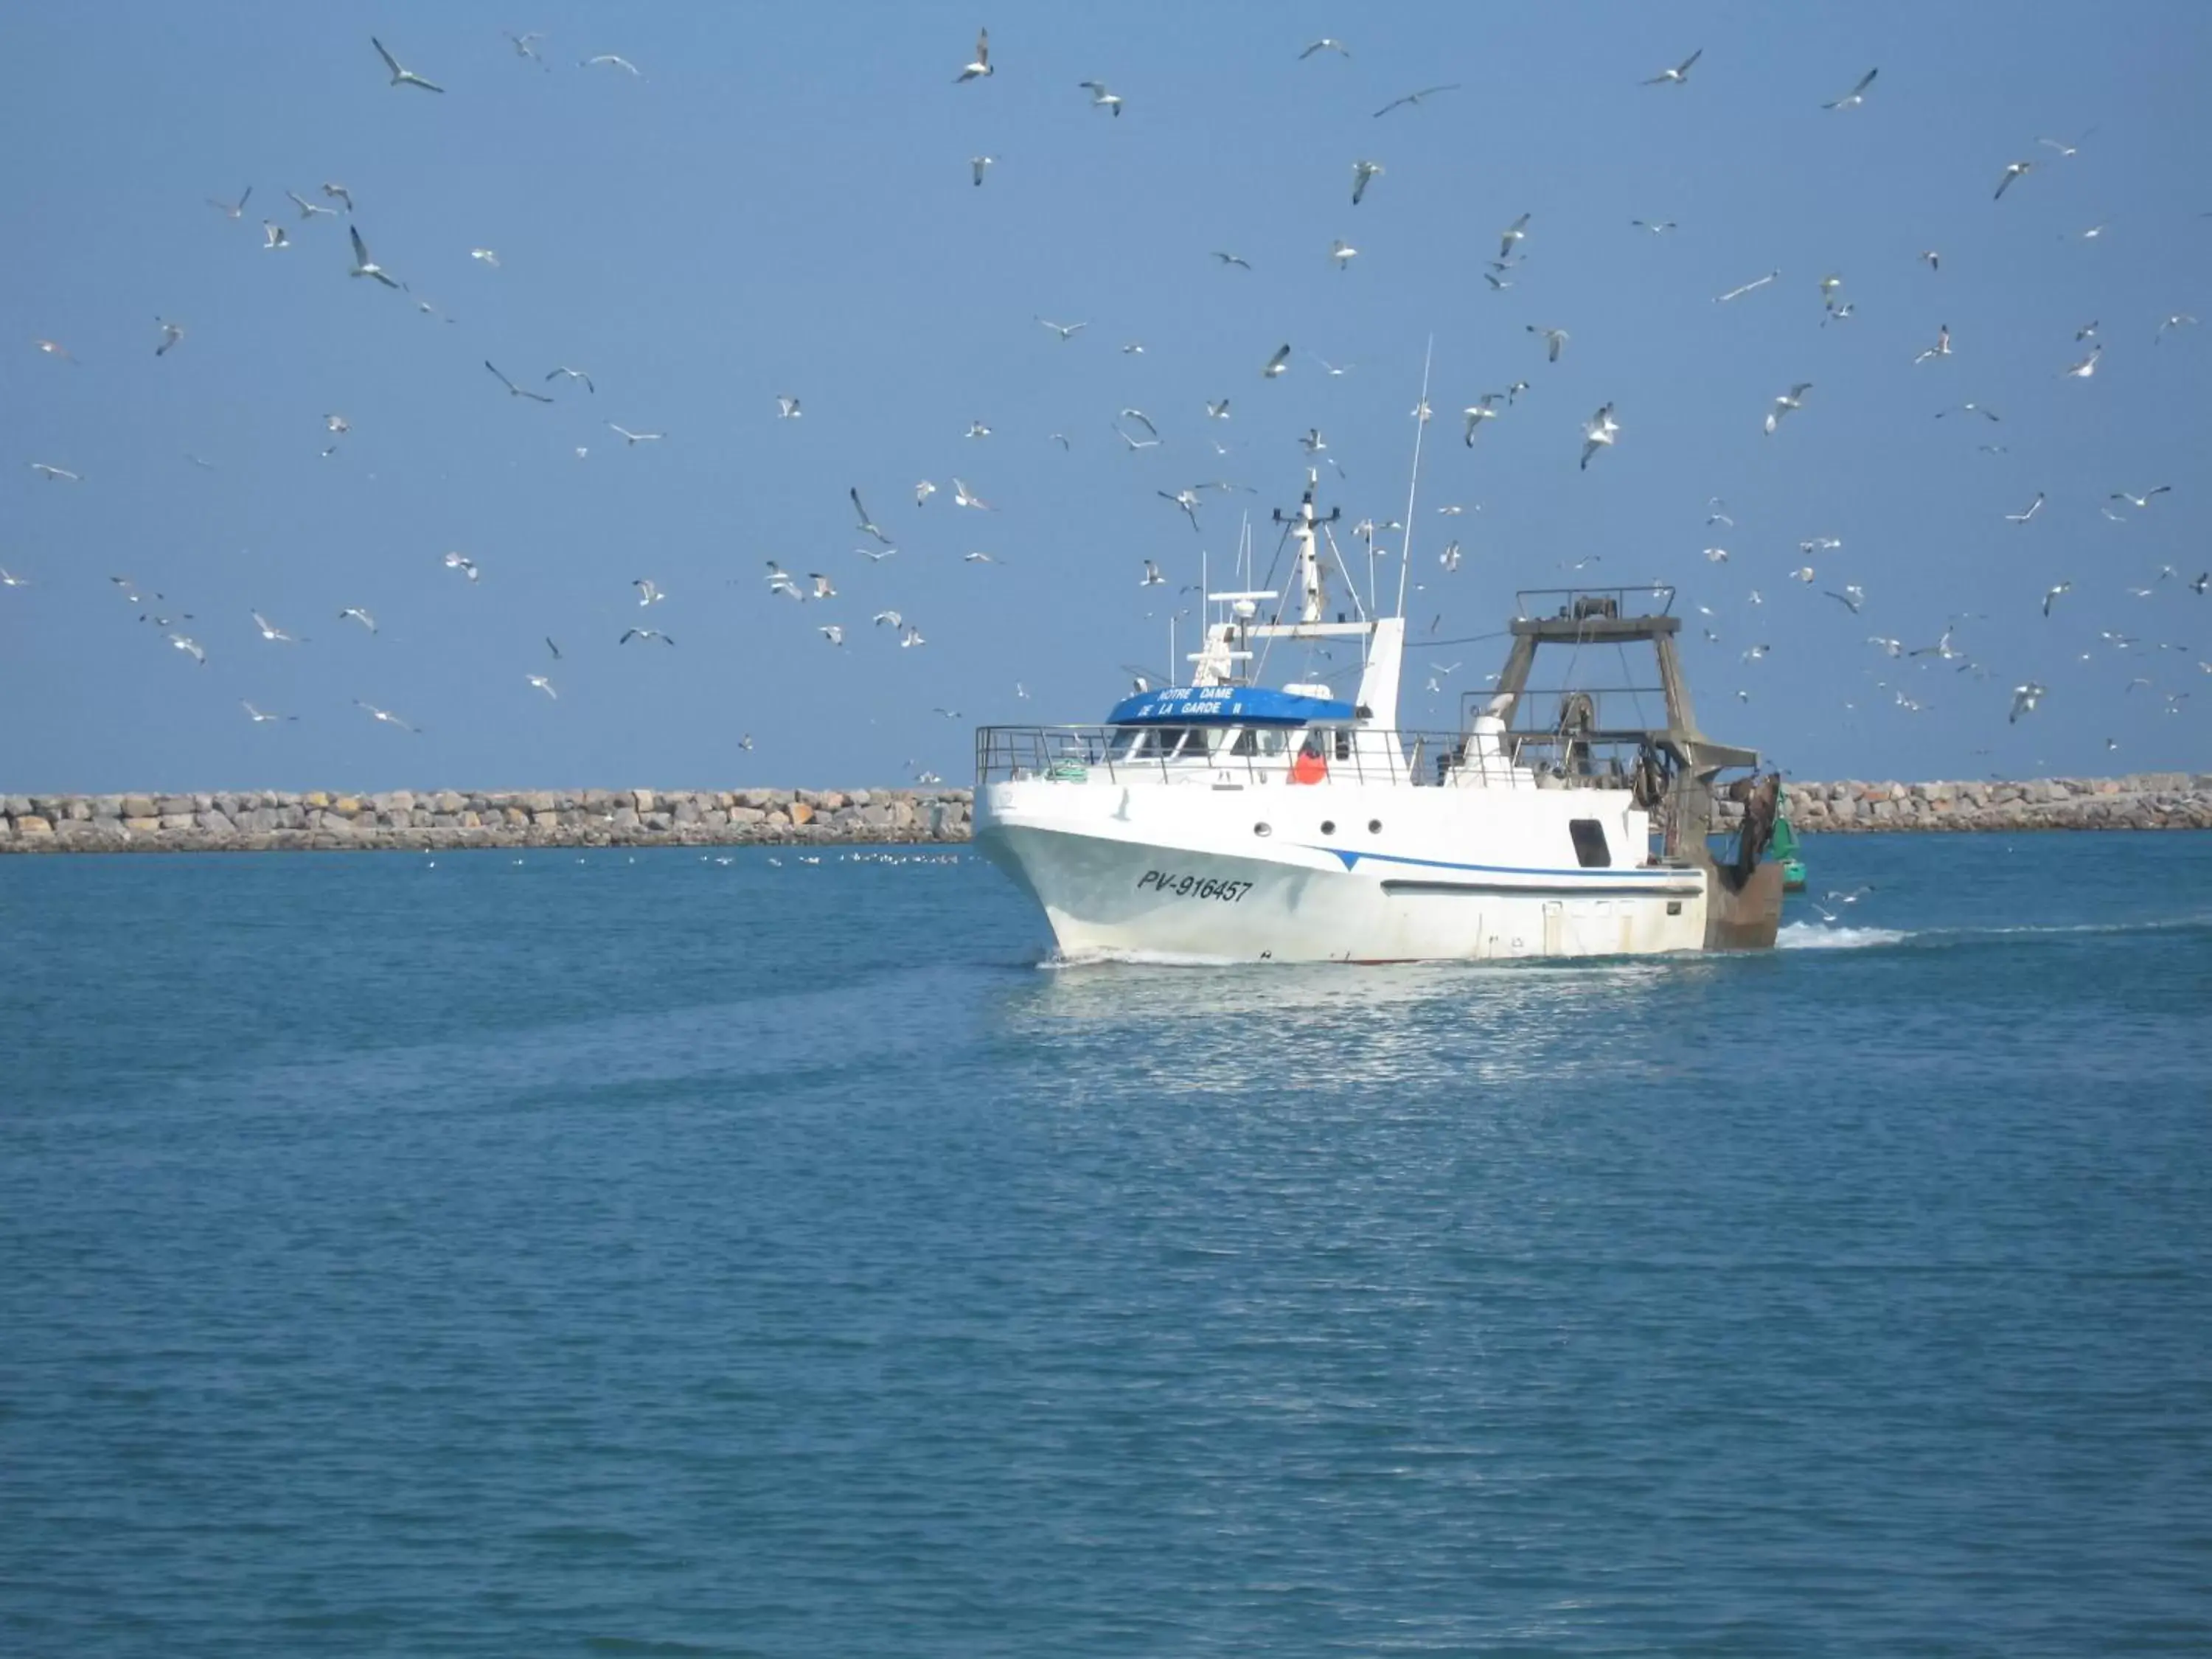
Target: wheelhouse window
column 1590, row 850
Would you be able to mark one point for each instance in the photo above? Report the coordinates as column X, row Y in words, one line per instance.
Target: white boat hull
column 1180, row 874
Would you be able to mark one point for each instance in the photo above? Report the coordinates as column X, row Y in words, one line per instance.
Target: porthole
column 1374, row 826
column 1328, row 826
column 1260, row 829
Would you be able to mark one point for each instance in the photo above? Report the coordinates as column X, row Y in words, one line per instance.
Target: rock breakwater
column 253, row 820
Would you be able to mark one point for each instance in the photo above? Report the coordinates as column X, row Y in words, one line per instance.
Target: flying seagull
column 1416, row 97
column 543, row 684
column 1736, row 293
column 868, row 525
column 1327, row 43
column 1940, row 348
column 1100, row 97
column 788, row 409
column 1856, row 96
column 56, row 474
column 2013, row 170
column 635, row 438
column 2024, row 699
column 1599, row 433
column 309, row 209
column 189, row 647
column 400, row 77
column 464, row 564
column 979, row 165
column 339, row 193
column 258, row 717
column 270, row 630
column 273, row 236
column 982, row 64
column 2034, row 507
column 171, row 333
column 1064, row 329
column 2088, row 366
column 1555, row 340
column 1679, row 75
column 362, row 265
column 2053, row 593
column 512, row 390
column 963, row 497
column 1232, row 259
column 233, row 210
column 1364, row 172
column 629, row 633
column 1792, row 399
column 610, row 59
column 2143, row 500
column 649, row 592
column 1277, row 364
column 573, row 375
column 383, row 714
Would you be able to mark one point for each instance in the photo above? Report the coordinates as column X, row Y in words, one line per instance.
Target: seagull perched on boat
column 512, row 390
column 1554, row 339
column 1792, row 399
column 1363, row 174
column 1277, row 364
column 1678, row 75
column 1599, row 433
column 2024, row 699
column 355, row 613
column 400, row 77
column 1856, row 96
column 384, row 715
column 629, row 633
column 362, row 265
column 462, row 562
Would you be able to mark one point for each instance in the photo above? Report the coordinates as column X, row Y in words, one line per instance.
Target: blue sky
column 779, row 202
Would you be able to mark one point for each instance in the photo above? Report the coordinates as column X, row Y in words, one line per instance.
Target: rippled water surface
column 591, row 1254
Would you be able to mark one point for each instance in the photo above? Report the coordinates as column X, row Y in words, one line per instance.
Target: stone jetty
column 252, row 820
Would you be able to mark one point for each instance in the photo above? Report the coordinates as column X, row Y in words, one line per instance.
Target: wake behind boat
column 1228, row 820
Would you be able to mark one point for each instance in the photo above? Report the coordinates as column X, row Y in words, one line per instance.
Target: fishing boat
column 1225, row 819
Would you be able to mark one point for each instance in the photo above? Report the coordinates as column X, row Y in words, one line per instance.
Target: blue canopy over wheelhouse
column 1227, row 705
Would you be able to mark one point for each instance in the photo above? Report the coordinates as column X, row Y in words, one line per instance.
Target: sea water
column 600, row 1253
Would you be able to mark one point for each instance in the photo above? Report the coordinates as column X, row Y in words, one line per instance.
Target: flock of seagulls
column 1138, row 431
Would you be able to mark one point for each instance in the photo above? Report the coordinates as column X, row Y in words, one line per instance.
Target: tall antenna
column 1420, row 430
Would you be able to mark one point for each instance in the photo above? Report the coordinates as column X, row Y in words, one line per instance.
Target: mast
column 1305, row 525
